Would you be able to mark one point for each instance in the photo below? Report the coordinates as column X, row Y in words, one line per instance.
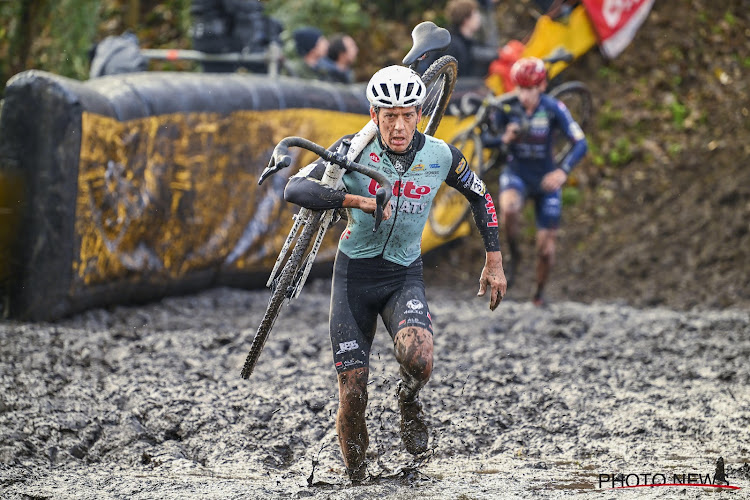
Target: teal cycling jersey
column 399, row 238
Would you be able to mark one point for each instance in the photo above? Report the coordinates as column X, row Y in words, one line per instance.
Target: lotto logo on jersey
column 375, row 158
column 490, row 207
column 408, row 189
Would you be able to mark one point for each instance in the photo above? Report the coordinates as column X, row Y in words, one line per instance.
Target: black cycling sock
column 409, row 387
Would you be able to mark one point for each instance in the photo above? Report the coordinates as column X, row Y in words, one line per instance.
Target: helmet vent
column 397, row 90
column 385, row 90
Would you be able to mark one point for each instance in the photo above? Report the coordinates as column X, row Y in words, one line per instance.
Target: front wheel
column 283, row 288
column 440, row 79
column 450, row 208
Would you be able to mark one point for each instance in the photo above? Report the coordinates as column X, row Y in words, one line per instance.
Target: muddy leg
column 350, row 421
column 511, row 203
column 414, row 355
column 545, row 258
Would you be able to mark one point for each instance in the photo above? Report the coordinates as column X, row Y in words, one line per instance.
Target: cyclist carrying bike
column 531, row 170
column 380, row 272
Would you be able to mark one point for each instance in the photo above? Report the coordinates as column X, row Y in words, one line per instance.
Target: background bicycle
column 450, row 209
column 301, row 246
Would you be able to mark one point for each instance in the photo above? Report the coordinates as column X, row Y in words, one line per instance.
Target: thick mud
column 147, row 402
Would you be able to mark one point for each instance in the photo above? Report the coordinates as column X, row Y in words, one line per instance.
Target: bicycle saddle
column 427, row 36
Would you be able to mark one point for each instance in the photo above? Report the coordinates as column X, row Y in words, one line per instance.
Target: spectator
column 312, row 48
column 556, row 8
column 465, row 21
column 342, row 52
column 489, row 34
column 232, row 26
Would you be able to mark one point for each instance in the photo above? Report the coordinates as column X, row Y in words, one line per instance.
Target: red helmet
column 528, row 72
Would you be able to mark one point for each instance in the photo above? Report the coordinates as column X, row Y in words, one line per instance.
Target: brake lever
column 280, row 159
column 380, row 201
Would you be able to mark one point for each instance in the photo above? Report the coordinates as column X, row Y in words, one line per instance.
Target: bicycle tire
column 440, row 80
column 450, row 208
column 286, row 278
column 577, row 98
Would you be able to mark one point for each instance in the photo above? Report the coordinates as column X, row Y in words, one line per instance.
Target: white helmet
column 396, row 87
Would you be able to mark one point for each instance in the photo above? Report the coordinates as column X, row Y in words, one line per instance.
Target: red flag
column 616, row 21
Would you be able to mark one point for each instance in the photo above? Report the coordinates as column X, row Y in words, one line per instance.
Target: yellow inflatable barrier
column 132, row 187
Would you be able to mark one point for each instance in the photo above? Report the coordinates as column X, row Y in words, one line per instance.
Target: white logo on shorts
column 347, row 346
column 415, row 305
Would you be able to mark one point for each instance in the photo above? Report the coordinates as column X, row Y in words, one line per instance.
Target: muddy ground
column 639, row 366
column 147, row 402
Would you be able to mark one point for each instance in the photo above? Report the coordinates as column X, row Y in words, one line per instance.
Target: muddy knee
column 414, row 354
column 511, row 204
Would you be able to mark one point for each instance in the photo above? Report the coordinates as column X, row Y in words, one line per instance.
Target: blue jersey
column 530, row 155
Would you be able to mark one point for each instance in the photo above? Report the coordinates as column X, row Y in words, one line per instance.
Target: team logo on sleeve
column 374, row 158
column 461, row 166
column 478, row 186
column 575, row 131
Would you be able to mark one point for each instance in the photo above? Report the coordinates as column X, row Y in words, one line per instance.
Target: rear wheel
column 440, row 79
column 450, row 207
column 282, row 288
column 577, row 98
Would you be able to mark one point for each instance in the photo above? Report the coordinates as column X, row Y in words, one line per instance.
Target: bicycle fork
column 332, row 177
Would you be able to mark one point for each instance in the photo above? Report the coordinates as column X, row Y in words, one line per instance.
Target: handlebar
column 281, row 159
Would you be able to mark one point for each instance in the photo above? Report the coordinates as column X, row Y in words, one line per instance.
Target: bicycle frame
column 332, row 177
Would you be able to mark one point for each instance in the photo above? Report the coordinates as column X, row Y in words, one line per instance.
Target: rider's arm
column 504, row 125
column 306, row 189
column 575, row 135
column 463, row 178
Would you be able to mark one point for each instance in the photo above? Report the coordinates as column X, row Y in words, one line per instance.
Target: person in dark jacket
column 465, row 21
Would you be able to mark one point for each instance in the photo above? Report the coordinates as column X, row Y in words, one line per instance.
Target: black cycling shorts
column 364, row 288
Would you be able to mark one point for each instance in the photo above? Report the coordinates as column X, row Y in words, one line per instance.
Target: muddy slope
column 663, row 212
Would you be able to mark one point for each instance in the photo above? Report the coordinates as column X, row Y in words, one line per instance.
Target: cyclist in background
column 380, row 272
column 531, row 170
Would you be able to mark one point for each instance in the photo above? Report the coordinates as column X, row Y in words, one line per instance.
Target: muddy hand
column 493, row 278
column 554, row 180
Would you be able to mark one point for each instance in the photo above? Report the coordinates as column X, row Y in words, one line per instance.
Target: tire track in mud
column 144, row 401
